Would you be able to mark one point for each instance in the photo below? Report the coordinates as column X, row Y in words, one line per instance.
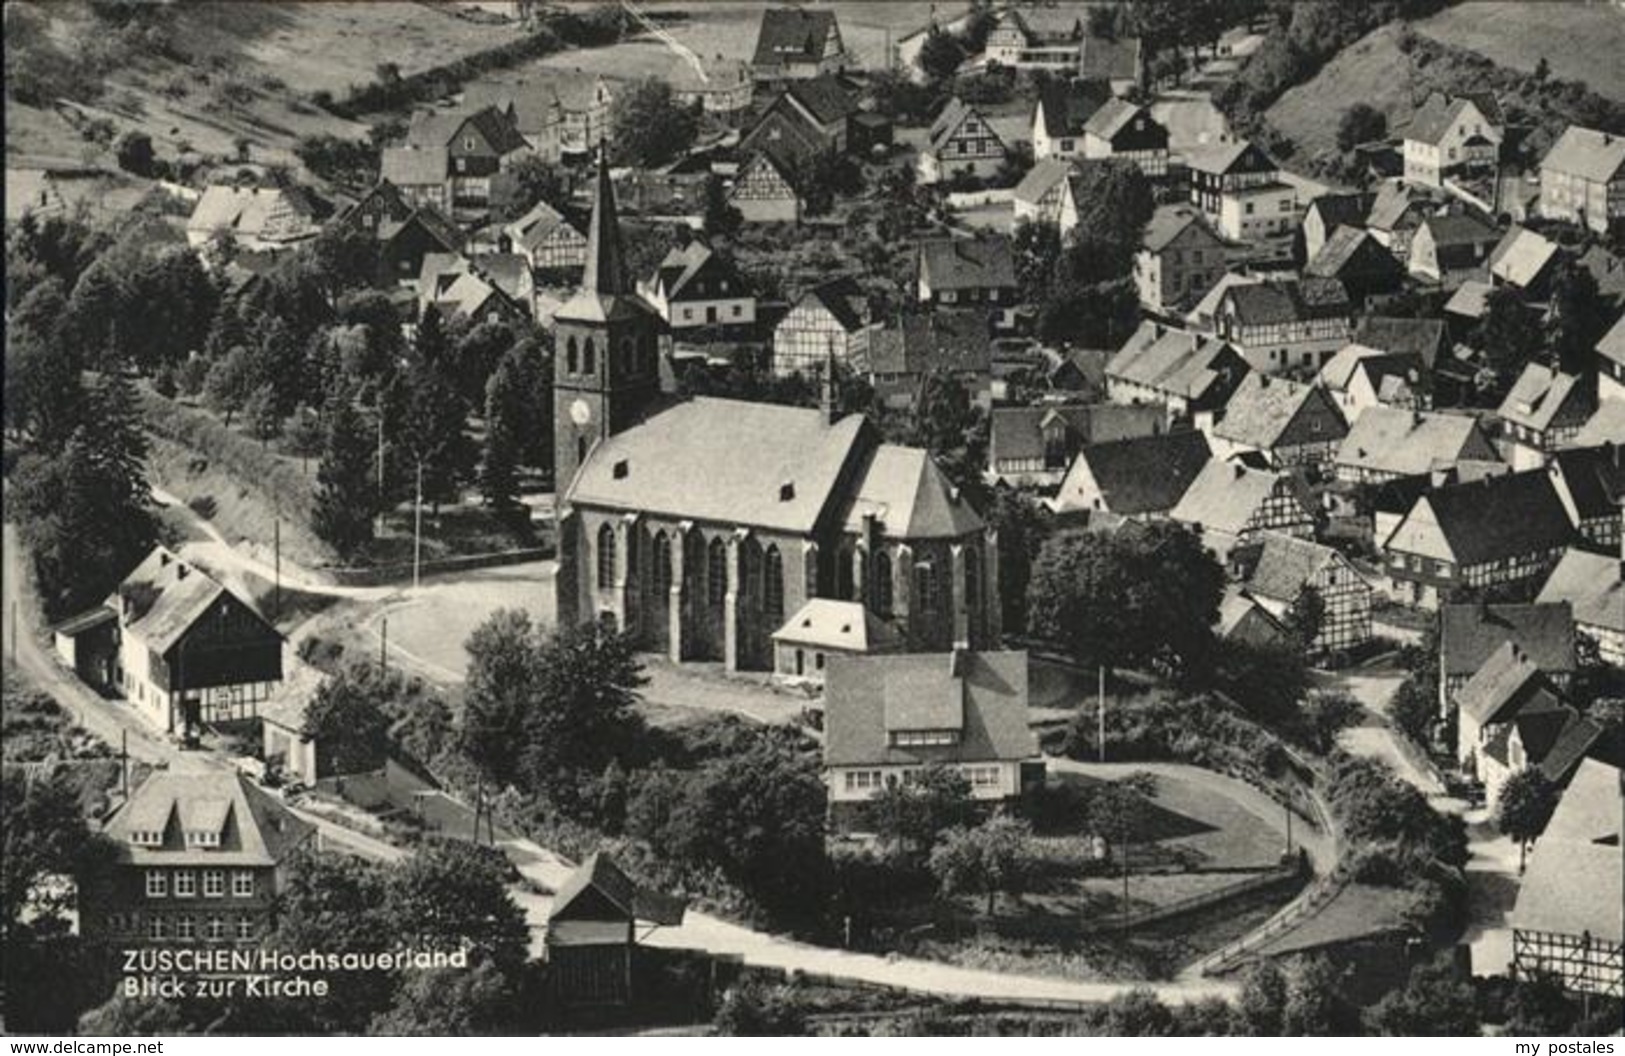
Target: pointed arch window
column 773, row 585
column 925, row 587
column 845, row 587
column 606, row 556
column 882, row 584
column 973, row 577
column 661, row 559
column 589, row 357
column 572, row 355
column 716, row 573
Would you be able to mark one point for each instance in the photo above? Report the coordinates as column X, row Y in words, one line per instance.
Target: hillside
column 1372, row 70
column 1581, row 41
column 203, row 75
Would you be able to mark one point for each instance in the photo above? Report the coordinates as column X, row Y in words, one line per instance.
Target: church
column 701, row 525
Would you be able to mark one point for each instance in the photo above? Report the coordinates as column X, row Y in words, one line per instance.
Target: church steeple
column 605, row 271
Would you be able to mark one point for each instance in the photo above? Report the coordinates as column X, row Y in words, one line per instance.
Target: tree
column 721, row 218
column 1038, row 253
column 990, row 858
column 1433, row 1003
column 1124, row 599
column 43, row 395
column 89, row 334
column 1539, row 1007
column 447, row 897
column 911, row 816
column 1576, row 318
column 1262, row 1004
column 499, row 466
column 134, row 152
column 264, row 420
column 940, row 54
column 348, row 721
column 528, row 180
column 1306, row 617
column 432, row 431
column 230, row 383
column 1360, row 123
column 1524, row 806
column 1115, row 202
column 450, row 1003
column 337, row 903
column 1023, row 525
column 345, row 495
column 650, row 126
column 304, row 435
column 1325, row 715
column 1415, row 710
column 1314, row 1005
column 753, row 1010
column 478, row 353
column 1509, row 334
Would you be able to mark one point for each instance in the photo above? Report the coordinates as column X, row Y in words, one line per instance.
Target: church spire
column 605, row 272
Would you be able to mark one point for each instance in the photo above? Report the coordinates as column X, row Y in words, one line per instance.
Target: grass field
column 1581, row 41
column 1372, row 70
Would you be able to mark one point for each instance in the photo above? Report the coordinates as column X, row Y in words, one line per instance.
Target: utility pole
column 15, row 629
column 379, row 528
column 1100, row 738
column 1289, row 832
column 124, row 761
column 383, row 646
column 417, row 529
column 276, row 594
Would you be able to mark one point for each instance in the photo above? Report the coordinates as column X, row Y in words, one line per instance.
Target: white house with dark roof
column 1591, row 482
column 1180, row 258
column 257, row 219
column 765, row 193
column 1594, row 587
column 831, row 319
column 694, row 287
column 886, row 718
column 796, row 43
column 190, row 652
column 1141, row 478
column 1611, row 364
column 1281, row 324
column 1045, row 195
column 547, row 240
column 1033, row 446
column 1568, row 918
column 960, row 271
column 960, row 142
column 1240, row 188
column 199, row 860
column 1385, row 443
column 1469, row 633
column 1362, row 377
column 1460, row 536
column 1289, row 564
column 1451, row 248
column 1582, row 178
column 1525, row 259
column 1452, row 137
column 1286, row 423
column 823, row 629
column 1059, row 116
column 1542, row 411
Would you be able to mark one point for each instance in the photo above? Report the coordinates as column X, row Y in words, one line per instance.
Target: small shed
column 88, row 643
column 825, row 627
column 592, row 932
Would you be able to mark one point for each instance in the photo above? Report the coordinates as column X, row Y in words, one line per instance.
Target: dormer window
column 923, row 738
column 202, row 838
column 146, row 838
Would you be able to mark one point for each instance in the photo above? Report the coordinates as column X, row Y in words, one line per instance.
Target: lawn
column 430, row 627
column 1372, row 70
column 1581, row 41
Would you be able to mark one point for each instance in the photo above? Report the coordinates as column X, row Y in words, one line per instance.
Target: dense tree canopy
column 650, row 126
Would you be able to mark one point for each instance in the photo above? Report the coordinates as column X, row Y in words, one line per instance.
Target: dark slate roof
column 1175, row 361
column 176, row 594
column 982, row 695
column 986, row 262
column 1112, row 59
column 1338, row 209
column 1354, row 252
column 1262, row 408
column 600, row 873
column 824, row 97
column 952, row 340
column 1469, row 633
column 1170, row 221
column 845, row 300
column 1265, row 303
column 1561, row 750
column 88, row 620
column 1595, row 477
column 792, row 34
column 1066, row 105
column 1018, row 432
column 1286, row 565
column 1421, row 337
column 1433, row 119
column 1147, row 474
column 1473, row 517
column 413, row 166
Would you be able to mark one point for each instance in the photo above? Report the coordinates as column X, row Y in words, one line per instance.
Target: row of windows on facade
column 185, row 883
column 581, row 357
column 927, row 586
column 183, row 927
column 865, row 780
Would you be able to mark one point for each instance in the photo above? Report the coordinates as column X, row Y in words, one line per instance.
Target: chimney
column 181, row 568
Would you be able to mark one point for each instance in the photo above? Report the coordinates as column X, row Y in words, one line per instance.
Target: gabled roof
column 1605, row 426
column 1287, row 564
column 1404, row 442
column 1224, row 497
column 1587, row 153
column 537, row 226
column 1471, row 299
column 1220, row 158
column 1335, row 210
column 910, row 497
column 414, row 166
column 844, row 299
column 1288, row 301
column 1262, row 407
column 268, row 213
column 1176, row 362
column 1042, row 178
column 986, row 262
column 167, row 596
column 1065, row 105
column 1505, row 683
column 682, row 266
column 534, row 107
column 792, row 34
column 1473, row 517
column 1593, row 477
column 981, row 695
column 1521, row 255
column 1419, row 337
column 1042, row 24
column 601, row 875
column 1171, row 221
column 1574, row 884
column 831, row 624
column 1469, row 633
column 253, row 828
column 1351, row 251
column 1393, row 202
column 1147, row 474
column 1112, row 59
column 1113, row 117
column 1434, row 118
column 948, row 121
column 1612, row 345
column 824, row 97
column 1539, row 395
column 1244, row 619
column 765, row 158
column 439, row 128
column 1460, row 229
column 1018, row 432
column 952, row 340
column 1593, row 585
column 1354, row 359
